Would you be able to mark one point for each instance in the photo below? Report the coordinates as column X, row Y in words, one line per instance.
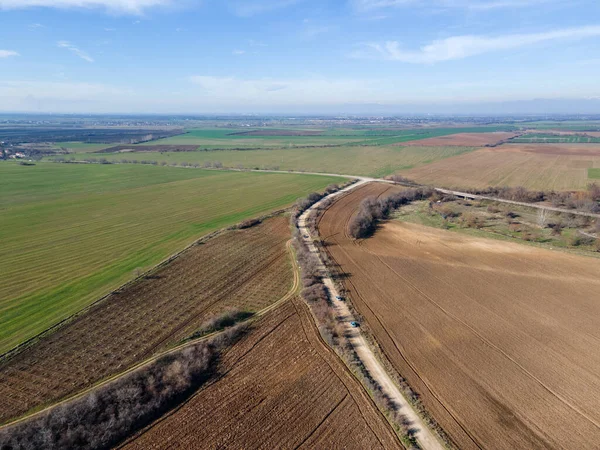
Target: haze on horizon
column 300, row 56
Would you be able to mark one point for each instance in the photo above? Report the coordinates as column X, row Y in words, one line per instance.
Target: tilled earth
column 279, row 388
column 243, row 269
column 499, row 339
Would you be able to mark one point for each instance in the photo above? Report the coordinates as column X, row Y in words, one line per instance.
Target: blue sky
column 203, row 56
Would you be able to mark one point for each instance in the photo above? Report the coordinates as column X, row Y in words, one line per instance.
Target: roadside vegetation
column 491, row 219
column 374, row 209
column 106, row 416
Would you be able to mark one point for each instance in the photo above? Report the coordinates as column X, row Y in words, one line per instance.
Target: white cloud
column 458, row 47
column 7, row 53
column 121, row 6
column 238, row 52
column 482, row 5
column 47, row 90
column 235, row 91
column 247, row 8
column 75, row 50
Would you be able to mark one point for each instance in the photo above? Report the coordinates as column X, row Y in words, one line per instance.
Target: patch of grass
column 494, row 225
column 594, row 174
column 71, row 233
column 543, row 138
column 355, row 160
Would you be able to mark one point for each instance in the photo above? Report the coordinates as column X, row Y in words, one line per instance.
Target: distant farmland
column 373, row 161
column 535, row 166
column 71, row 233
column 541, row 138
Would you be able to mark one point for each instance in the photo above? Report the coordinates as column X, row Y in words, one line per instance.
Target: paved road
column 424, row 436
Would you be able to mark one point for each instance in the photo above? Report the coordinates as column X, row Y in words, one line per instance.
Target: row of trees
column 586, row 201
column 111, row 413
column 373, row 209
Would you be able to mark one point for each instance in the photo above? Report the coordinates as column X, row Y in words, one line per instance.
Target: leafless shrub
column 105, row 417
column 249, row 223
column 373, row 210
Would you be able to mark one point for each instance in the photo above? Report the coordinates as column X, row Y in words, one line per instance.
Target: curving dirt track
column 498, row 338
column 245, row 269
column 279, row 388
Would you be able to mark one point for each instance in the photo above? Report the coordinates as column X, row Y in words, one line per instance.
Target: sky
column 298, row 56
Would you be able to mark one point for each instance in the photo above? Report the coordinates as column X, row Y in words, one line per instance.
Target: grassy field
column 226, row 138
column 594, row 174
column 71, row 233
column 542, row 138
column 376, row 161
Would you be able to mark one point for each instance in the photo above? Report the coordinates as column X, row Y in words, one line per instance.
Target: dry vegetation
column 244, row 269
column 103, row 418
column 494, row 336
column 535, row 166
column 279, row 387
column 464, row 140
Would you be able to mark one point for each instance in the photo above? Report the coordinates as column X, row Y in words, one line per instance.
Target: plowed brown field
column 535, row 166
column 500, row 339
column 246, row 269
column 280, row 388
column 463, row 140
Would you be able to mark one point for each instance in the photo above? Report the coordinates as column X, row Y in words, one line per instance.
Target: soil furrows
column 276, row 390
column 495, row 336
column 245, row 269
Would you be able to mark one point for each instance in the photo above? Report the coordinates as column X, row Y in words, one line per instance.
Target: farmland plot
column 243, row 269
column 535, row 166
column 280, row 388
column 498, row 338
column 375, row 161
column 72, row 232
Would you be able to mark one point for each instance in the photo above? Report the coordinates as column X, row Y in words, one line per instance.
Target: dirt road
column 424, row 436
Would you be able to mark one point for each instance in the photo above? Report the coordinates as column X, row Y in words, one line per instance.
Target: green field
column 225, row 138
column 72, row 232
column 376, row 161
column 567, row 125
column 594, row 174
column 542, row 138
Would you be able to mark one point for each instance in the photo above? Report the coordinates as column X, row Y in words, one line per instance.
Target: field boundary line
column 426, row 438
column 6, row 356
column 290, row 294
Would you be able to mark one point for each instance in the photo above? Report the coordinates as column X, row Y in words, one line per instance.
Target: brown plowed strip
column 279, row 388
column 247, row 269
column 463, row 140
column 496, row 337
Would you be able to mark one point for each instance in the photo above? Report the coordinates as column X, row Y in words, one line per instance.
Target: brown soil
column 496, row 337
column 246, row 269
column 280, row 388
column 463, row 140
column 535, row 166
column 592, row 150
column 148, row 148
column 269, row 132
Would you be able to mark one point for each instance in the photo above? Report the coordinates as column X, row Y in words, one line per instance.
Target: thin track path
column 426, row 439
